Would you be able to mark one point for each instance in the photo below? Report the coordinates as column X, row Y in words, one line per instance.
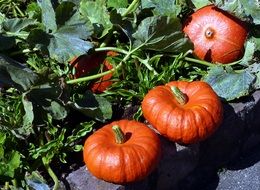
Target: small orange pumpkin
column 121, row 152
column 217, row 35
column 89, row 63
column 184, row 112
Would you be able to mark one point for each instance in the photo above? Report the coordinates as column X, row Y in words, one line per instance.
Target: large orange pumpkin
column 121, row 152
column 184, row 112
column 87, row 64
column 217, row 35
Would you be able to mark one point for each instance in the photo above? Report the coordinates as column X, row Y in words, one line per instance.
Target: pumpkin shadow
column 232, row 147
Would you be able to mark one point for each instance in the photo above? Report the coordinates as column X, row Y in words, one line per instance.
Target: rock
column 243, row 174
column 200, row 166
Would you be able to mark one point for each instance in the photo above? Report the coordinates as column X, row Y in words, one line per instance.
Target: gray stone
column 199, row 166
column 244, row 175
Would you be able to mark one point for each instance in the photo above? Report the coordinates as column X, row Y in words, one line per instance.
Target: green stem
column 51, row 173
column 179, row 95
column 24, row 51
column 21, row 35
column 132, row 7
column 119, row 135
column 119, row 50
column 99, row 75
column 6, row 185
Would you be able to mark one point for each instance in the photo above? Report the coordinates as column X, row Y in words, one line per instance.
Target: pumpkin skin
column 185, row 124
column 122, row 163
column 89, row 63
column 217, row 35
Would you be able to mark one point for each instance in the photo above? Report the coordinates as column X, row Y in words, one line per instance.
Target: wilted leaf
column 229, row 84
column 93, row 106
column 161, row 34
column 15, row 74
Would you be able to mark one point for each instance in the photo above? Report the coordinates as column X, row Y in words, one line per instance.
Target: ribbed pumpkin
column 184, row 112
column 121, row 152
column 217, row 35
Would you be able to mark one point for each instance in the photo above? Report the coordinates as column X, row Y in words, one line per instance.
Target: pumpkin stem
column 119, row 135
column 179, row 95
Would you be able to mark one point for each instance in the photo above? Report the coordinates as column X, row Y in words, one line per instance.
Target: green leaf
column 10, row 163
column 49, row 97
column 64, row 12
column 67, row 42
column 161, row 34
column 171, row 8
column 29, row 115
column 255, row 69
column 250, row 48
column 16, row 25
column 48, row 15
column 117, row 3
column 93, row 106
column 252, row 8
column 15, row 74
column 200, row 3
column 97, row 13
column 7, row 42
column 229, row 84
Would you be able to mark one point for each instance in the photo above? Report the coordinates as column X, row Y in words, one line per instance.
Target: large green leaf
column 68, row 41
column 161, row 33
column 16, row 25
column 48, row 15
column 93, row 106
column 170, row 8
column 229, row 84
column 49, row 98
column 97, row 13
column 15, row 74
column 201, row 3
column 252, row 8
column 117, row 3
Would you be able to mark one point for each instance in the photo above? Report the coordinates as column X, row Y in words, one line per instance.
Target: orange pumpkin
column 86, row 64
column 217, row 35
column 121, row 152
column 184, row 112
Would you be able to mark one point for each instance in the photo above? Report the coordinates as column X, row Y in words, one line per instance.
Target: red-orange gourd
column 217, row 35
column 183, row 112
column 89, row 63
column 128, row 156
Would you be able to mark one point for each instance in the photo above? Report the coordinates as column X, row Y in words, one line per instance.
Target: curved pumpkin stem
column 179, row 95
column 119, row 135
